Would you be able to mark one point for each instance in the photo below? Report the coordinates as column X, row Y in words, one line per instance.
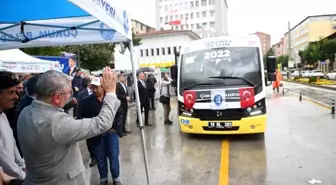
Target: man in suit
column 144, row 100
column 105, row 145
column 31, row 92
column 50, row 138
column 81, row 95
column 122, row 94
column 78, row 85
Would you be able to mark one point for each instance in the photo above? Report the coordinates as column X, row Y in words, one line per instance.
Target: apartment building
column 278, row 48
column 310, row 29
column 265, row 41
column 208, row 18
column 139, row 27
column 157, row 48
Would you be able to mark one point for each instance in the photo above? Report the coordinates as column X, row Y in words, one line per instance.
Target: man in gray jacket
column 49, row 137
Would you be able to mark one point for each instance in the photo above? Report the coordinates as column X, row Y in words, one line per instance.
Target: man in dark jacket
column 150, row 83
column 31, row 92
column 122, row 94
column 105, row 145
column 81, row 95
column 78, row 85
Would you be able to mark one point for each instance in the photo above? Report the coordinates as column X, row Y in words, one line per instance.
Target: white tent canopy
column 16, row 61
column 64, row 22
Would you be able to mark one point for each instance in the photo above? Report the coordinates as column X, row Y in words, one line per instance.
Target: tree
column 136, row 41
column 283, row 60
column 301, row 57
column 44, row 51
column 310, row 54
column 329, row 49
column 93, row 56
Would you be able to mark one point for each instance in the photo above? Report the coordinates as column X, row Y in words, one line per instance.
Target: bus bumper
column 248, row 125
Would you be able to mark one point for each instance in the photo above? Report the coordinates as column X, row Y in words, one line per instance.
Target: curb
column 313, row 85
column 311, row 100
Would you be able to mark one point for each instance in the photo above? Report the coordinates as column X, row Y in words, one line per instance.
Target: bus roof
column 223, row 41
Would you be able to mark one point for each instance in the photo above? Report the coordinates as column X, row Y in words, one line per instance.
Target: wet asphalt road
column 322, row 95
column 299, row 145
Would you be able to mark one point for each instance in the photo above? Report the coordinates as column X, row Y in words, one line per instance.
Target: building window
column 157, row 51
column 197, row 3
column 163, row 51
column 212, row 13
column 203, row 3
column 182, row 27
column 197, row 15
column 152, row 52
column 146, row 52
column 176, row 17
column 211, row 2
column 192, row 26
column 212, row 24
column 169, row 52
column 204, row 25
column 181, row 16
column 204, row 35
column 174, row 49
column 192, row 4
column 192, row 16
column 171, row 18
column 141, row 53
column 204, row 14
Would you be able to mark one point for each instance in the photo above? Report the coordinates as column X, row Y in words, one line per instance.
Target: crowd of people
column 39, row 138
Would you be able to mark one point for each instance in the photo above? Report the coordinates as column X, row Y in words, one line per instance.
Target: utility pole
column 289, row 44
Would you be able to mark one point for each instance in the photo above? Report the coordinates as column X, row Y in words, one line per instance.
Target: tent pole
column 137, row 98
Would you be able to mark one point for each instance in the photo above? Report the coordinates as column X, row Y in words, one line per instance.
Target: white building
column 157, row 48
column 208, row 18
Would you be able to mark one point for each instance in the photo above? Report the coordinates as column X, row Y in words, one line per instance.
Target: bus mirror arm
column 269, row 78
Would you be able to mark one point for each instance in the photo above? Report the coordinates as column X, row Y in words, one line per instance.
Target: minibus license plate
column 220, row 124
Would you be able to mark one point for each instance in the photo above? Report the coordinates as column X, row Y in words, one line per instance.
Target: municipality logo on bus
column 126, row 22
column 106, row 32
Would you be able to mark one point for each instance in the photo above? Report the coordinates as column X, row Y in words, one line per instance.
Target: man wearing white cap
column 105, row 145
column 49, row 137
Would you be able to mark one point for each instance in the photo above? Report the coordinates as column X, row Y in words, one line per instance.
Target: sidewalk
column 329, row 87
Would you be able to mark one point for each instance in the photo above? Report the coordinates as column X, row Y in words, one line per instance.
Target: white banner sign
column 28, row 67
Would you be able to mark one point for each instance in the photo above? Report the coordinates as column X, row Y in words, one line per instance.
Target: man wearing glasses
column 50, row 138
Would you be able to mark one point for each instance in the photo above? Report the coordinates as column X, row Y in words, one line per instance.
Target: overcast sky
column 249, row 16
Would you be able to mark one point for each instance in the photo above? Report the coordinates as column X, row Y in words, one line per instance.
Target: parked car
column 317, row 73
column 332, row 75
column 306, row 74
column 295, row 73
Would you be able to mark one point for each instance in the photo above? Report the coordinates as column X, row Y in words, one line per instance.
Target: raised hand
column 109, row 80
